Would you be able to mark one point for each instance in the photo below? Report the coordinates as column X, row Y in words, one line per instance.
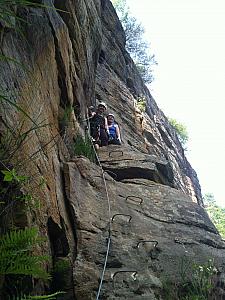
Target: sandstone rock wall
column 67, row 61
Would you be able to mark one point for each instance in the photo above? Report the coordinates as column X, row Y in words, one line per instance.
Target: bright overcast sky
column 188, row 40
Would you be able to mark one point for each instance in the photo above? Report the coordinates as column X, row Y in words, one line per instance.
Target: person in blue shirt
column 114, row 131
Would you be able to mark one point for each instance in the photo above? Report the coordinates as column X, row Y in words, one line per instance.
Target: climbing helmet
column 102, row 104
column 111, row 115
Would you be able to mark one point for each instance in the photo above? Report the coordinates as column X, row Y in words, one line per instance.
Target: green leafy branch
column 11, row 175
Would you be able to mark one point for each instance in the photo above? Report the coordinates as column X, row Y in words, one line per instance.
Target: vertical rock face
column 148, row 210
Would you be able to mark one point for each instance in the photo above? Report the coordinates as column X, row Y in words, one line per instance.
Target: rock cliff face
column 149, row 208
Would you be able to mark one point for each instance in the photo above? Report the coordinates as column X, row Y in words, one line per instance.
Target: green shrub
column 83, row 146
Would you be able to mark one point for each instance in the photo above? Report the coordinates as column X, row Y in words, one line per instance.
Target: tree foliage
column 209, row 199
column 180, row 129
column 216, row 213
column 135, row 43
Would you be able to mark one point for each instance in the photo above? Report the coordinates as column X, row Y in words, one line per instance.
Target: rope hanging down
column 109, row 214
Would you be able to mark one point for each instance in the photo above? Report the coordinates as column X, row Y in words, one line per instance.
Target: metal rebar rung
column 135, row 197
column 130, row 217
column 147, row 241
column 116, row 151
column 133, row 275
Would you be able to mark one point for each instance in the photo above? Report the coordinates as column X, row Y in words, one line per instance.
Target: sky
column 188, row 40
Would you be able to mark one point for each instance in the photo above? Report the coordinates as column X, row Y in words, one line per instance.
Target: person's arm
column 91, row 112
column 106, row 126
column 118, row 133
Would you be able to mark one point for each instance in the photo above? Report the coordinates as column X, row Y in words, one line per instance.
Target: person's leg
column 115, row 142
column 96, row 146
column 103, row 137
column 95, row 133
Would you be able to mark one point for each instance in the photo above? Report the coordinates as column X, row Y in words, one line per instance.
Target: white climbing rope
column 109, row 213
column 104, row 268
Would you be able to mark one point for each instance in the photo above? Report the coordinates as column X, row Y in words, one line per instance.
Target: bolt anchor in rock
column 147, row 241
column 134, row 199
column 116, row 215
column 116, row 151
column 133, row 275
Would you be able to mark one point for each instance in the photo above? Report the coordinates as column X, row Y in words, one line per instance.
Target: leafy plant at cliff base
column 197, row 282
column 16, row 254
column 216, row 213
column 135, row 43
column 17, row 246
column 16, row 257
column 180, row 129
column 17, row 261
column 83, row 146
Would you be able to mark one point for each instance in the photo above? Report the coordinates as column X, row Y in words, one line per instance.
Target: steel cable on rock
column 109, row 211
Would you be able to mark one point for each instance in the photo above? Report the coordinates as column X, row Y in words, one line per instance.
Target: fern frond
column 16, row 254
column 19, row 240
